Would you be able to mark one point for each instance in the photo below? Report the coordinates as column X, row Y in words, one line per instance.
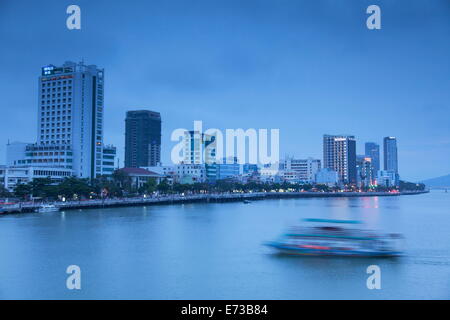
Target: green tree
column 106, row 183
column 181, row 187
column 335, row 188
column 149, row 187
column 253, row 186
column 306, row 187
column 322, row 187
column 42, row 188
column 225, row 185
column 200, row 187
column 72, row 186
column 163, row 187
column 22, row 190
column 410, row 186
column 122, row 180
column 4, row 193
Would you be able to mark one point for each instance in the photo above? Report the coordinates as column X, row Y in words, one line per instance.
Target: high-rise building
column 142, row 139
column 390, row 157
column 390, row 154
column 365, row 171
column 339, row 154
column 70, row 123
column 200, row 148
column 70, row 116
column 372, row 150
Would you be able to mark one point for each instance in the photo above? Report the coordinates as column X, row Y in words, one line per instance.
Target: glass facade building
column 228, row 169
column 390, row 154
column 372, row 150
column 390, row 157
column 142, row 139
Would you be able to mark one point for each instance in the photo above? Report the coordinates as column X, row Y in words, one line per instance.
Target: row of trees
column 120, row 185
column 75, row 188
column 411, row 186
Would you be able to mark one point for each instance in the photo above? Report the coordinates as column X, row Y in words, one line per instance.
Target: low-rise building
column 253, row 176
column 11, row 176
column 56, row 155
column 291, row 176
column 305, row 169
column 271, row 174
column 327, row 176
column 386, row 178
column 163, row 170
column 250, row 168
column 230, row 168
column 139, row 177
column 190, row 173
column 168, row 172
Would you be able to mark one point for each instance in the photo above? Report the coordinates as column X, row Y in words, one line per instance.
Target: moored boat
column 334, row 238
column 47, row 208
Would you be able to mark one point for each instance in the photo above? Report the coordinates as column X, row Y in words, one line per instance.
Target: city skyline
column 282, row 88
column 70, row 129
column 142, row 132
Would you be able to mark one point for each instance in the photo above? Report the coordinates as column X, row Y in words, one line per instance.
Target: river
column 214, row 251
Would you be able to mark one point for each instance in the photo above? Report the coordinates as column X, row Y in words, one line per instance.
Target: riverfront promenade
column 171, row 199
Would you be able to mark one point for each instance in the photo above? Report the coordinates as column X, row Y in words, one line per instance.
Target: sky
column 305, row 67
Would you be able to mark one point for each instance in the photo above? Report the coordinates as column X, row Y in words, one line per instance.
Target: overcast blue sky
column 305, row 67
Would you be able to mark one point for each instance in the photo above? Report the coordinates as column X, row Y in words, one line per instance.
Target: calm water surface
column 214, row 251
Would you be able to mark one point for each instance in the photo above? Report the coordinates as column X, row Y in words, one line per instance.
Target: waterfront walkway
column 170, row 199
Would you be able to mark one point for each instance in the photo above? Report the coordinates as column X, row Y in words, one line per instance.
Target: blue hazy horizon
column 306, row 67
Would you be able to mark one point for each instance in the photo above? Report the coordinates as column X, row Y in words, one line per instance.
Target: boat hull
column 47, row 209
column 297, row 251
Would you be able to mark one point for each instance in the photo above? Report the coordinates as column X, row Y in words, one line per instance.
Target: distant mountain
column 439, row 182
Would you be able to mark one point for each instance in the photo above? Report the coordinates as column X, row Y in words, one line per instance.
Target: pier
column 24, row 207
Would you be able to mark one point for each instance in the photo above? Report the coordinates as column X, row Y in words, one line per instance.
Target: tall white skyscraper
column 200, row 148
column 71, row 114
column 70, row 122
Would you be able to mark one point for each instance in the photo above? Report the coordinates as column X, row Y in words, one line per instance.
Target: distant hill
column 439, row 182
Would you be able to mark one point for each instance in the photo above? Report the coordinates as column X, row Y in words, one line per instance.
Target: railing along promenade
column 176, row 198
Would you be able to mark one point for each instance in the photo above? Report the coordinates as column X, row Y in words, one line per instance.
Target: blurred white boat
column 47, row 208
